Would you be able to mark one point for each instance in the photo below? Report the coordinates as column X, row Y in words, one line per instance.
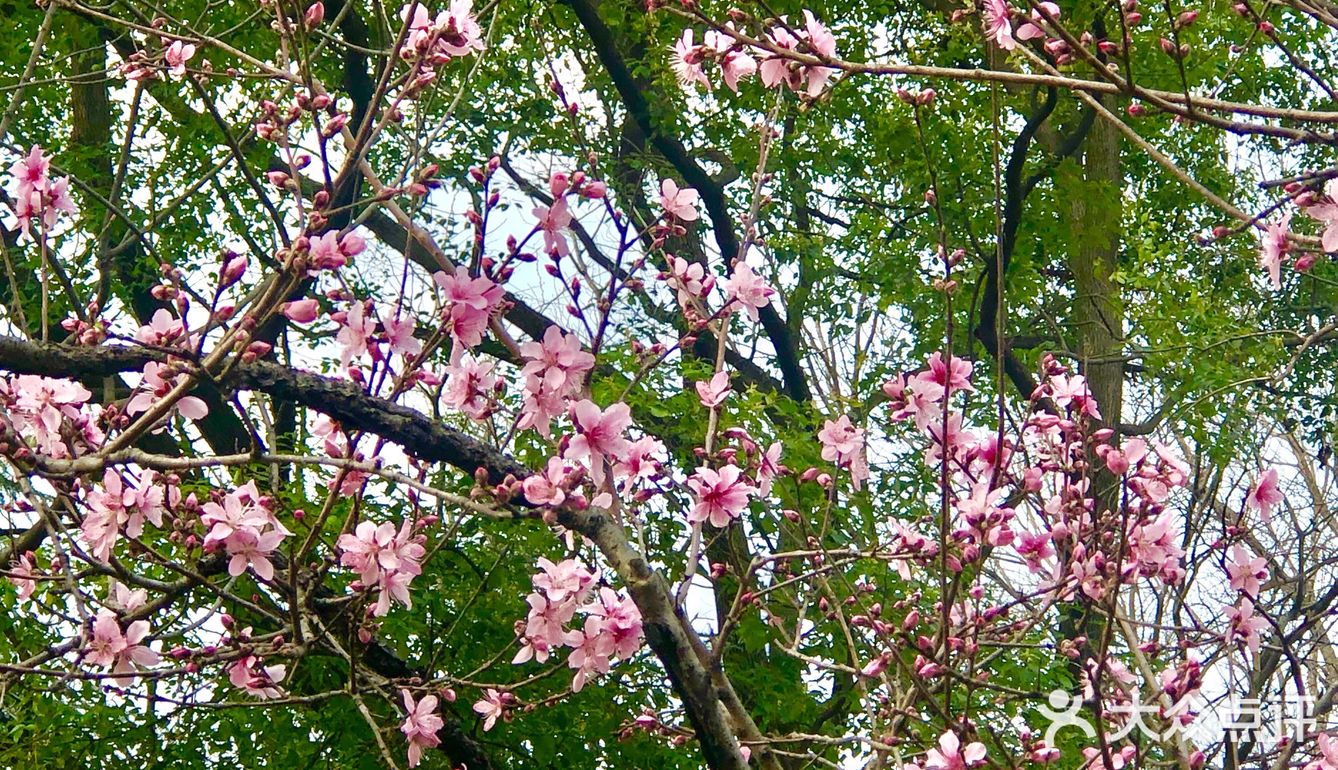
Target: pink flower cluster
column 721, row 495
column 744, row 289
column 454, row 32
column 421, row 725
column 554, row 371
column 117, row 506
column 1324, row 209
column 35, row 195
column 738, row 61
column 611, row 629
column 843, row 444
column 599, row 438
column 997, row 16
column 123, row 653
column 330, row 250
column 243, row 524
column 1139, row 542
column 430, row 43
column 384, row 558
column 1276, row 240
column 23, row 573
column 689, row 280
column 39, row 409
column 555, row 218
column 470, row 303
column 249, row 673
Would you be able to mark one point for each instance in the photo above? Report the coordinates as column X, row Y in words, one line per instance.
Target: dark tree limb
column 711, row 191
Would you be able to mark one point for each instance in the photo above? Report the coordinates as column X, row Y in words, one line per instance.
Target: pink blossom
column 689, row 279
column 1154, row 547
column 678, row 203
column 621, row 621
column 31, row 173
column 547, row 488
column 384, row 559
column 247, row 674
column 553, row 220
column 154, row 387
column 563, row 583
column 843, row 444
column 1066, row 391
column 106, row 514
column 491, row 707
column 687, row 64
column 768, row 468
column 368, row 549
column 951, row 755
column 357, row 329
column 1273, row 247
column 951, row 435
column 1328, row 753
column 1244, row 625
column 123, row 599
column 469, row 385
column 599, row 435
column 399, row 328
column 163, row 330
column 558, row 360
column 247, row 547
column 721, row 495
column 748, row 289
column 823, row 44
column 35, row 195
column 640, row 461
column 944, row 378
column 998, row 25
column 1031, row 29
column 775, row 70
column 392, row 587
column 591, row 651
column 1265, row 494
column 121, row 653
column 470, row 303
column 40, row 406
column 714, row 392
column 543, row 628
column 541, row 405
column 237, row 512
column 1326, row 212
column 986, row 519
column 176, row 56
column 735, row 64
column 147, row 502
column 331, row 251
column 811, row 79
column 1247, row 573
column 420, row 725
column 453, row 33
column 1034, row 549
column 21, row 574
column 460, row 31
column 107, row 641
